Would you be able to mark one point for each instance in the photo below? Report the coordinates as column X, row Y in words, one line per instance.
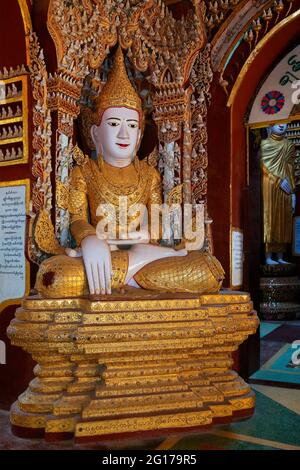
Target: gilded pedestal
column 132, row 363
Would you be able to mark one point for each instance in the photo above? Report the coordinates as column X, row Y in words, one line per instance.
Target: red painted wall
column 219, row 173
column 14, row 376
column 18, row 370
column 12, row 41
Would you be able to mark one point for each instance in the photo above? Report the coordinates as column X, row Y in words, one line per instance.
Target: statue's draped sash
column 277, row 159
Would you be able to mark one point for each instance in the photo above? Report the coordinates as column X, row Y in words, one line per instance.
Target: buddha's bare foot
column 182, row 252
column 142, row 254
column 169, row 251
column 153, row 252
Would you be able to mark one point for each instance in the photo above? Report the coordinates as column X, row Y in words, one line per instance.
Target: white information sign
column 237, row 257
column 12, row 242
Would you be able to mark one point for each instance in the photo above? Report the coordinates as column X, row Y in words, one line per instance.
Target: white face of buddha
column 279, row 129
column 117, row 136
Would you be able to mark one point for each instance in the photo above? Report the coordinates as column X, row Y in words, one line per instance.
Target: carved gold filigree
column 65, row 124
column 79, row 157
column 266, row 20
column 41, row 161
column 217, row 12
column 44, row 235
column 175, row 195
column 63, row 93
column 251, row 23
column 152, row 158
column 62, row 195
column 41, row 198
column 146, row 28
column 201, row 77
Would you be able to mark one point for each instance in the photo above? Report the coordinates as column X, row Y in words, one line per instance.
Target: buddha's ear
column 139, row 139
column 93, row 133
column 96, row 142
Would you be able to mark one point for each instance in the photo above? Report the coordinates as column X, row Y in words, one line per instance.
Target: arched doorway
column 277, row 284
column 234, row 178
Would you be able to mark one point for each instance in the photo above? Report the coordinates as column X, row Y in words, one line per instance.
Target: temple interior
column 162, row 332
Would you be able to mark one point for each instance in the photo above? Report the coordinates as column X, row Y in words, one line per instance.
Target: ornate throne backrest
column 170, row 55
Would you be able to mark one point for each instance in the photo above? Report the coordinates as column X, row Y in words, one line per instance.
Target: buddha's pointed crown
column 118, row 90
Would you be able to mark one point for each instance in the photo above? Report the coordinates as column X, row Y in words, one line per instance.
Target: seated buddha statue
column 101, row 263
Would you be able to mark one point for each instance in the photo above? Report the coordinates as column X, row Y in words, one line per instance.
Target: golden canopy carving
column 83, row 32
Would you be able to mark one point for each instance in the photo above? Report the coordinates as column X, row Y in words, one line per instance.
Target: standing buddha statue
column 278, row 186
column 100, row 262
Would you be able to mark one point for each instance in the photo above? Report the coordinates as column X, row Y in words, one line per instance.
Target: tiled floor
column 287, row 397
column 275, row 425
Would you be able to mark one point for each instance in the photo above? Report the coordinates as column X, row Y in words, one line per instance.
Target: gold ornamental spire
column 118, row 90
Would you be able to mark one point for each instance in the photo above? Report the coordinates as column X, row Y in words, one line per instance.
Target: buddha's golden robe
column 277, row 161
column 95, row 183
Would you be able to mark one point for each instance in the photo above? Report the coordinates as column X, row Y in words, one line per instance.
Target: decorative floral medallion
column 272, row 102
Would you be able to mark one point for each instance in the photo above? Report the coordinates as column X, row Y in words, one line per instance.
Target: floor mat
column 284, row 334
column 273, row 426
column 282, row 368
column 267, row 327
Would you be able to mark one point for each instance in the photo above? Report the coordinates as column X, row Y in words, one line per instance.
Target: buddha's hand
column 140, row 236
column 97, row 262
column 285, row 186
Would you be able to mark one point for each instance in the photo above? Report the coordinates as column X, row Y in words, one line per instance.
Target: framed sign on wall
column 236, row 258
column 14, row 268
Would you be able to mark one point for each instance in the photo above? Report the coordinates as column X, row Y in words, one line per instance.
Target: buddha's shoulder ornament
column 86, row 166
column 152, row 159
column 79, row 157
